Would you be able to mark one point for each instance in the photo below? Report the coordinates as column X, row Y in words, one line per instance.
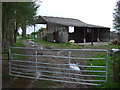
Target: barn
column 58, row 29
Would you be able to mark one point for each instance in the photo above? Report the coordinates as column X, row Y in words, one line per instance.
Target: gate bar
column 103, row 50
column 60, row 77
column 56, row 64
column 57, row 80
column 60, row 57
column 55, row 72
column 56, row 68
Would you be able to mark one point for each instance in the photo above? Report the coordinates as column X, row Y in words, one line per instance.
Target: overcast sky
column 97, row 12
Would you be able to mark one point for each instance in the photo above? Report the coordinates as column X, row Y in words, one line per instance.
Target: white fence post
column 36, row 63
column 9, row 61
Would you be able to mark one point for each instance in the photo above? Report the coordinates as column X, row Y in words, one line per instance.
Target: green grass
column 71, row 46
column 108, row 47
column 18, row 43
column 97, row 63
column 58, row 45
column 45, row 84
column 29, row 37
column 110, row 83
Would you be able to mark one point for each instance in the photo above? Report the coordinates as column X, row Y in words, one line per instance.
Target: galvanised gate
column 78, row 66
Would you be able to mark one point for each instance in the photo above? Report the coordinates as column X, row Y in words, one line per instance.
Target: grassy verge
column 19, row 43
column 7, row 79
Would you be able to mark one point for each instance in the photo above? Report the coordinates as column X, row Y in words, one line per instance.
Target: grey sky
column 97, row 12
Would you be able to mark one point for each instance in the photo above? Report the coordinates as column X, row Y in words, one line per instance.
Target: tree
column 15, row 15
column 29, row 16
column 116, row 15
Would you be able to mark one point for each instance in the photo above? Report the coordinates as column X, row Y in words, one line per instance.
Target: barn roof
column 65, row 21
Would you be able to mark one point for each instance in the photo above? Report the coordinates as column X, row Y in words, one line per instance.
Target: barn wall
column 78, row 34
column 91, row 33
column 49, row 37
column 104, row 35
column 60, row 33
column 63, row 37
column 98, row 33
column 56, row 27
column 57, row 33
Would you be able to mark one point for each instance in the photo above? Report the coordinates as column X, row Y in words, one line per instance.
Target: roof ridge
column 64, row 18
column 60, row 17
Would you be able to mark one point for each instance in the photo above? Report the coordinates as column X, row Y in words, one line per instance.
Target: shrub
column 116, row 42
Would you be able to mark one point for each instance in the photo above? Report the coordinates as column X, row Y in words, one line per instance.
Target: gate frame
column 69, row 57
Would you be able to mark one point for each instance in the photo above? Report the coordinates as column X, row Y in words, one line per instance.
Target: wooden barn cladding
column 58, row 30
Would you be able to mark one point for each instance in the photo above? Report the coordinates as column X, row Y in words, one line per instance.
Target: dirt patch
column 50, row 84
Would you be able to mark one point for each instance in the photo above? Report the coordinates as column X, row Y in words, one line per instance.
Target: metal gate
column 76, row 66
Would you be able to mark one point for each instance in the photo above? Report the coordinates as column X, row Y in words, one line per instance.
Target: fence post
column 9, row 61
column 69, row 62
column 69, row 56
column 36, row 64
column 36, row 59
column 106, row 65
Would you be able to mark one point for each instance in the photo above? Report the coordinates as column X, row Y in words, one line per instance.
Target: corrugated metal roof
column 65, row 21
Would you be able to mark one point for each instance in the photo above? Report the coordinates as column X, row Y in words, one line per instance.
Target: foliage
column 16, row 15
column 33, row 33
column 116, row 15
column 41, row 30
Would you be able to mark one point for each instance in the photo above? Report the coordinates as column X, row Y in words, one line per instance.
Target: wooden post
column 34, row 31
column 84, row 39
column 92, row 38
column 47, row 32
column 98, row 40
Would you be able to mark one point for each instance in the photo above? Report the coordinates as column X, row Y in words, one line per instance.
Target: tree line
column 16, row 15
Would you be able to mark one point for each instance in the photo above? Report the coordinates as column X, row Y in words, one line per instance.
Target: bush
column 116, row 42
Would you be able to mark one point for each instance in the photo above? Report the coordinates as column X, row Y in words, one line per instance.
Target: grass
column 8, row 80
column 110, row 83
column 71, row 46
column 57, row 45
column 18, row 43
column 46, row 83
